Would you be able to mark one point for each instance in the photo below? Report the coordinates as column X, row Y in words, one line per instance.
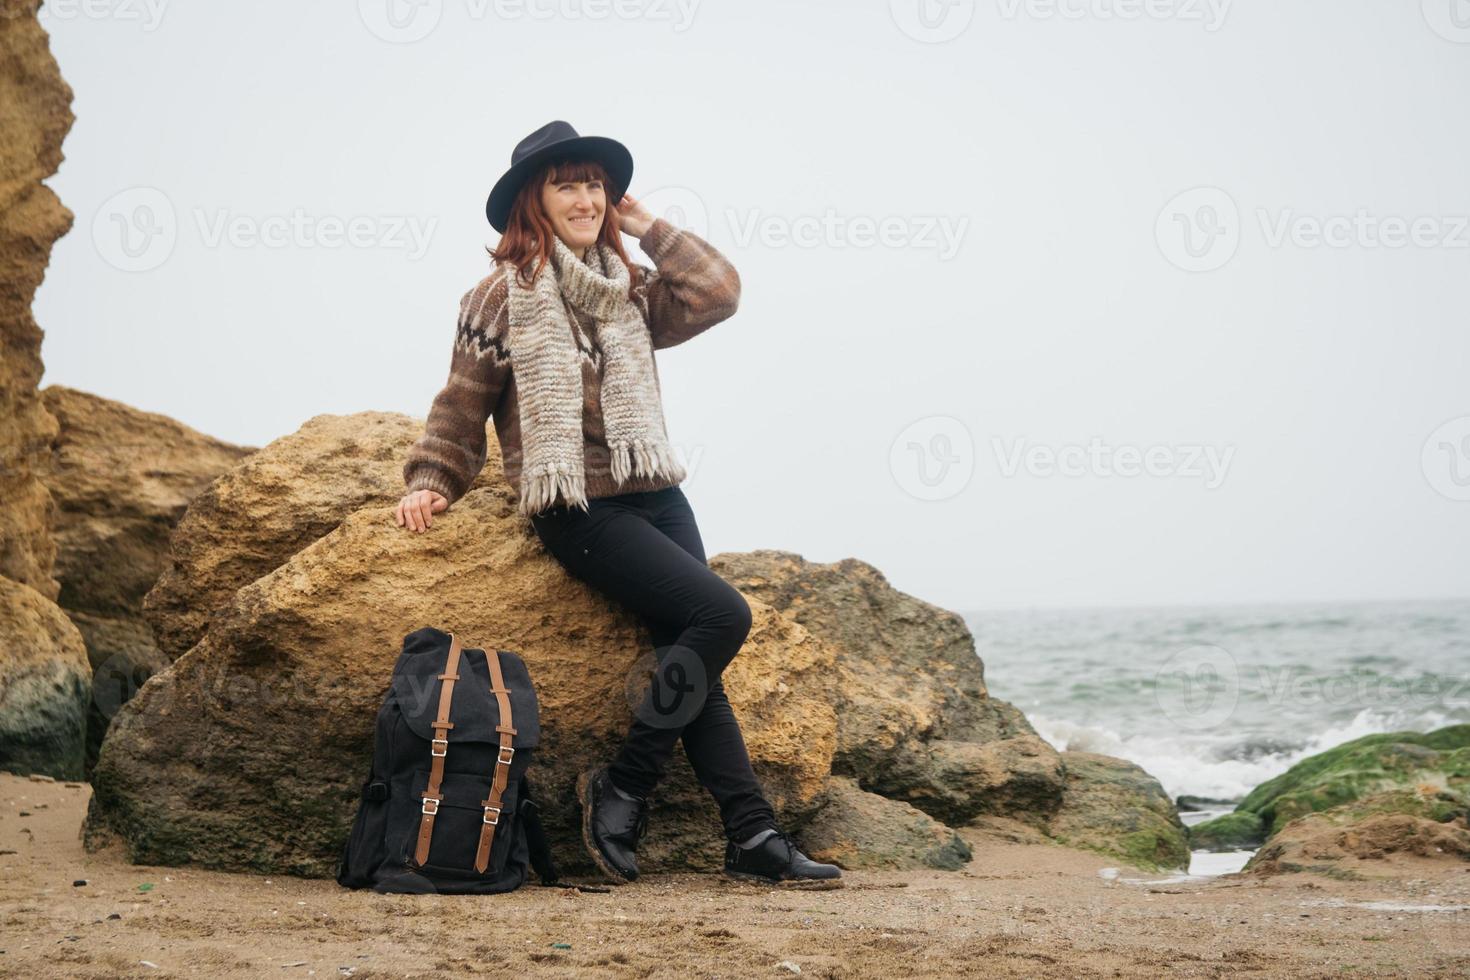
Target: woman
column 557, row 344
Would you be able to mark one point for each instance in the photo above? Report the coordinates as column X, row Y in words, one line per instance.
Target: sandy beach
column 1017, row 910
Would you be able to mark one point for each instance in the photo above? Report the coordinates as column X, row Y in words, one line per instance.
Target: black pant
column 644, row 550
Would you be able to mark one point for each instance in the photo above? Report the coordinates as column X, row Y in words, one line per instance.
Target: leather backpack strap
column 438, row 749
column 502, row 762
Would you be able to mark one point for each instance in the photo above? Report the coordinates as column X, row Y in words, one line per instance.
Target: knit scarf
column 548, row 370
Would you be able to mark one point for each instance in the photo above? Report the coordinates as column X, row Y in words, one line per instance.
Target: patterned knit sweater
column 691, row 288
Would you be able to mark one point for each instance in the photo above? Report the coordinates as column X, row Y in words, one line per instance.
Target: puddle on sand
column 1388, row 906
column 1112, row 874
column 1203, row 866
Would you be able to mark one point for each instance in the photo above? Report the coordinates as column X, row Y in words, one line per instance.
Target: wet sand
column 1017, row 910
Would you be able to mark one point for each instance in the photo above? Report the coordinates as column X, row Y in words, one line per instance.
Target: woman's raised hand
column 416, row 509
column 633, row 218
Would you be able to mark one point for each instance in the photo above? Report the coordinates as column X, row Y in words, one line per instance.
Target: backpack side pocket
column 366, row 846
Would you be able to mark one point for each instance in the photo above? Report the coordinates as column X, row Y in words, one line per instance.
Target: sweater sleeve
column 692, row 288
column 452, row 450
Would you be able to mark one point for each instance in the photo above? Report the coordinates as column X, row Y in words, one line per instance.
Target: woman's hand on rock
column 416, row 509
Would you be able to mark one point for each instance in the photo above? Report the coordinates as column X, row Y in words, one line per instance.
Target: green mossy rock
column 1114, row 807
column 1229, row 832
column 1365, row 767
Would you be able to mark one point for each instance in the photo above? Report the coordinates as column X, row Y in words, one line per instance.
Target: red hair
column 528, row 231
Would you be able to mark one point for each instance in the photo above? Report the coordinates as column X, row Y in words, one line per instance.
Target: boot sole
column 791, row 884
column 603, row 865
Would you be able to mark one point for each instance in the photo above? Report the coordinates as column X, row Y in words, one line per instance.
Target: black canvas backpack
column 446, row 807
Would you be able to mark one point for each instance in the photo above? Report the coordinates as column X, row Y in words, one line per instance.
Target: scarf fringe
column 643, row 458
column 539, row 491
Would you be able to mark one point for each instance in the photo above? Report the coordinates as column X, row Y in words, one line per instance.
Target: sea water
column 1212, row 701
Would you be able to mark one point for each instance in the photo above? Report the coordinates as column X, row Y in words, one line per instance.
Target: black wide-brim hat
column 556, row 140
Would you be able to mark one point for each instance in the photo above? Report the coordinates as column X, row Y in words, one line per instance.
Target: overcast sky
column 1045, row 303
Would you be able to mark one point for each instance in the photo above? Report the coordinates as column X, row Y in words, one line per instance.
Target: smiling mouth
column 585, row 222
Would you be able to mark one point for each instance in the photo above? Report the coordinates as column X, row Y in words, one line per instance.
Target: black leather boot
column 612, row 825
column 776, row 861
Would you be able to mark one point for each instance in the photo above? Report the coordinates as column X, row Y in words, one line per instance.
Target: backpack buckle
column 506, row 752
column 487, row 815
column 430, row 807
column 435, row 747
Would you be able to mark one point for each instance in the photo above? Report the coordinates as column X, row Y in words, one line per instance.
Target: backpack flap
column 476, row 710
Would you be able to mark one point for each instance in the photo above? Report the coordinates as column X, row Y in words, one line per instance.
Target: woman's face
column 576, row 209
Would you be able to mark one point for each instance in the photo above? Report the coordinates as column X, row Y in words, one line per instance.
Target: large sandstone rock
column 1115, row 808
column 858, row 829
column 248, row 751
column 857, row 701
column 40, row 682
column 915, row 721
column 280, row 500
column 45, row 684
column 35, row 114
column 121, row 479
